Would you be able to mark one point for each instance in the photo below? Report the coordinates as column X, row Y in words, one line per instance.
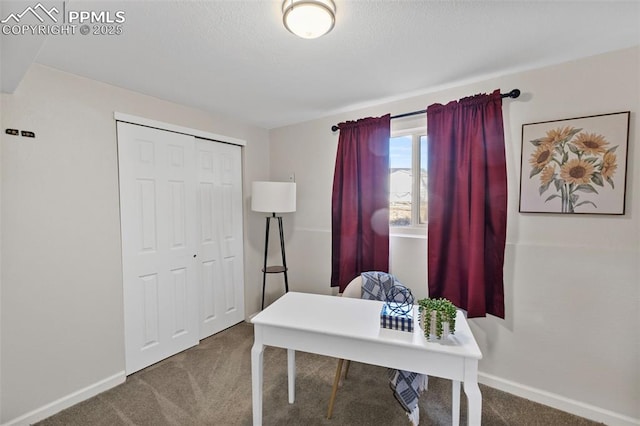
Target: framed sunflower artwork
column 575, row 165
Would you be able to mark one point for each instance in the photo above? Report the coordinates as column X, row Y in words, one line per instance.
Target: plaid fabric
column 376, row 285
column 406, row 385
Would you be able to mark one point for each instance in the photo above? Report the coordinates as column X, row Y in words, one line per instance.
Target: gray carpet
column 210, row 384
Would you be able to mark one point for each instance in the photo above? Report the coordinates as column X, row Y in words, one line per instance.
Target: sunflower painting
column 576, row 165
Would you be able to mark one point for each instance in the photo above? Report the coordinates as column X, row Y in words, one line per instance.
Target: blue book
column 393, row 318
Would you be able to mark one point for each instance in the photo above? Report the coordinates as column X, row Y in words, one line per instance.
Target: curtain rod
column 512, row 94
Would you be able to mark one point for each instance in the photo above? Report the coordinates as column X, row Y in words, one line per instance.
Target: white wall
column 571, row 337
column 61, row 307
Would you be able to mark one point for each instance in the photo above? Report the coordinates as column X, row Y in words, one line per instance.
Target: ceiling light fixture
column 309, row 18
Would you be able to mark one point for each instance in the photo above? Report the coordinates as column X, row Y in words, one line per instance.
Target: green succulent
column 445, row 312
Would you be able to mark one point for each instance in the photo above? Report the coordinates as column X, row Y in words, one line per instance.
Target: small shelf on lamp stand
column 274, row 197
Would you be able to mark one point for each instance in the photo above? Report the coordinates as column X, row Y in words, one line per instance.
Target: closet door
column 159, row 245
column 220, row 263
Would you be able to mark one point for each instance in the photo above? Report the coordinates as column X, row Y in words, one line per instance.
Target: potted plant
column 437, row 317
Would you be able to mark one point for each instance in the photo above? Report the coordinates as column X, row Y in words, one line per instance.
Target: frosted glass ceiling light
column 309, row 18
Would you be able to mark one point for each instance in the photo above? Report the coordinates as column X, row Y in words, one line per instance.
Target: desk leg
column 472, row 390
column 291, row 371
column 455, row 403
column 257, row 352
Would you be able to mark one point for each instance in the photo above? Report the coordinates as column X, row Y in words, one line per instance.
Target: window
column 408, row 179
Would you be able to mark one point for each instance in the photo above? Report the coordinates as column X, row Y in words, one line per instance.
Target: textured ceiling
column 236, row 58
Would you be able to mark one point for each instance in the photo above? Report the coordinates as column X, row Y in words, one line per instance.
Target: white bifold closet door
column 181, row 224
column 220, row 238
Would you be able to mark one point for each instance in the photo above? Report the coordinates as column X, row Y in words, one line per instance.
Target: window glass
column 408, row 179
column 423, row 179
column 400, row 180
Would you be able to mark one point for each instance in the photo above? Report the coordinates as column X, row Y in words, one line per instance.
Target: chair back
column 354, row 288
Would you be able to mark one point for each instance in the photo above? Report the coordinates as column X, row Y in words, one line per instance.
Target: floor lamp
column 273, row 197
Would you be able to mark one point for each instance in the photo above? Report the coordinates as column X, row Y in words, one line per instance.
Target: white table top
column 359, row 319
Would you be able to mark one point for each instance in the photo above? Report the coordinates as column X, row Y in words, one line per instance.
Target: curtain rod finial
column 334, row 128
column 514, row 93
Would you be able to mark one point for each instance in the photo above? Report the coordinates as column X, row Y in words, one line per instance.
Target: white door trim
column 128, row 118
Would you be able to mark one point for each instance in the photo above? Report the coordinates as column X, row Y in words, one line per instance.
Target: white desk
column 349, row 328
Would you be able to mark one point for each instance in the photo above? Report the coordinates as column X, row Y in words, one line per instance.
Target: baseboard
column 67, row 401
column 559, row 402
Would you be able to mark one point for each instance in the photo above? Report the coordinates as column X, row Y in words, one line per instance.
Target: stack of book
column 396, row 317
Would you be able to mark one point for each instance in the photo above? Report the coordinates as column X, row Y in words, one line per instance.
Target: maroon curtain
column 467, row 203
column 360, row 200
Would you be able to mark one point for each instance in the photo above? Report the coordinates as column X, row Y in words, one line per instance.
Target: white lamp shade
column 273, row 197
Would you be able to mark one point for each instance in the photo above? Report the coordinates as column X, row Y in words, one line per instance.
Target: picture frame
column 575, row 165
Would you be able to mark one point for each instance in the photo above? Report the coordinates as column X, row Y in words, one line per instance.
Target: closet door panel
column 157, row 208
column 220, row 231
